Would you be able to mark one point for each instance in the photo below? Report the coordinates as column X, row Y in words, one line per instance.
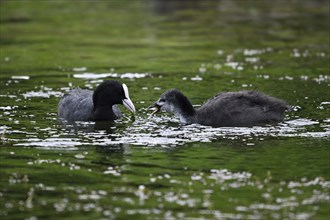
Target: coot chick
column 227, row 109
column 100, row 105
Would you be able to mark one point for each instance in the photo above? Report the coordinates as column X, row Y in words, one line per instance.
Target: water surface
column 153, row 167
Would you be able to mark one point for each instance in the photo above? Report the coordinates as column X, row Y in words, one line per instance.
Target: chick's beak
column 154, row 108
column 129, row 105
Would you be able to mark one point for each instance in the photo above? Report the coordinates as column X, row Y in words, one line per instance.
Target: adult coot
column 227, row 109
column 100, row 105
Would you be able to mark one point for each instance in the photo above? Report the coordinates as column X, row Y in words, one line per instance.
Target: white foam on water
column 111, row 75
column 301, row 122
column 21, row 77
column 79, row 69
column 51, row 143
column 42, row 94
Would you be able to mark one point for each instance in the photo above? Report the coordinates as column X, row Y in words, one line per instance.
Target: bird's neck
column 186, row 112
column 104, row 113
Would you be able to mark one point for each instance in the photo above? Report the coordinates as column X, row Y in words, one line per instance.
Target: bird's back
column 77, row 105
column 245, row 108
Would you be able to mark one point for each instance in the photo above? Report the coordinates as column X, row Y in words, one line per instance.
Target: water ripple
column 163, row 131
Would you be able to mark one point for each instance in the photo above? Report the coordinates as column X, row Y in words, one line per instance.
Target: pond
column 153, row 167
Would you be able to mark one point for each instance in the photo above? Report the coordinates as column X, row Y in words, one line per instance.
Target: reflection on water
column 81, row 127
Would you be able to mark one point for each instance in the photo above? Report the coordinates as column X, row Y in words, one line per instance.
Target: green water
column 154, row 168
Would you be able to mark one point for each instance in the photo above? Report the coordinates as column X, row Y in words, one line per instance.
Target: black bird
column 100, row 105
column 227, row 109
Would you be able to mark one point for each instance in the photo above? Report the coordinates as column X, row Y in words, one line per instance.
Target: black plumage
column 227, row 109
column 100, row 105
